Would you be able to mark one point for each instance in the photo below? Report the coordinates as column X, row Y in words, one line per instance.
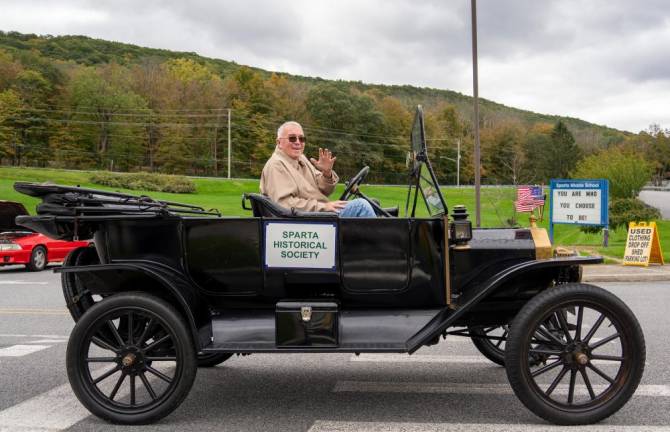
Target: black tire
column 536, row 351
column 492, row 349
column 164, row 342
column 38, row 259
column 212, row 359
column 77, row 297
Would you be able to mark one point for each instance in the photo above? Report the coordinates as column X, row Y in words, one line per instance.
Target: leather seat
column 262, row 206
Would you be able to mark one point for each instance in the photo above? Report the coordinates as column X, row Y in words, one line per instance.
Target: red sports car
column 21, row 246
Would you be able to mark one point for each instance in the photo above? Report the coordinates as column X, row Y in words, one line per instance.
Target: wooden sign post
column 642, row 245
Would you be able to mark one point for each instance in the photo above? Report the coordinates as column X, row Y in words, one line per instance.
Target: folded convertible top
column 61, row 200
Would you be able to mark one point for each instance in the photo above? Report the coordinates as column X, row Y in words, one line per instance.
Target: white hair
column 288, row 123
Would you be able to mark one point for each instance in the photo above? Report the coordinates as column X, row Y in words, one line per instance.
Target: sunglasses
column 295, row 138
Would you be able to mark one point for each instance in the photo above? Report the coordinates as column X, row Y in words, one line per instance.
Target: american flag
column 538, row 195
column 528, row 198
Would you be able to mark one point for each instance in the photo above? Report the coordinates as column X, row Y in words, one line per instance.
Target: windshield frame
column 418, row 162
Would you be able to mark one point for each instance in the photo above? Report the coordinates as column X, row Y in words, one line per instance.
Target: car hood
column 9, row 210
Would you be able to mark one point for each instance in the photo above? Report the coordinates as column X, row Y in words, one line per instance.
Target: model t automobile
column 170, row 287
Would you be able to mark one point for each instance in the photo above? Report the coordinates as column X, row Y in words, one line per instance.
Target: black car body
column 283, row 280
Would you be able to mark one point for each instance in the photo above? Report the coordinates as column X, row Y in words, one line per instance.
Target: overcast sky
column 605, row 61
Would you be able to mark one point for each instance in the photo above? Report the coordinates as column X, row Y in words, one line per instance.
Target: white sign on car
column 309, row 245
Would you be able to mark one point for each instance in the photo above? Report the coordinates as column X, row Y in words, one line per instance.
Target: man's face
column 292, row 141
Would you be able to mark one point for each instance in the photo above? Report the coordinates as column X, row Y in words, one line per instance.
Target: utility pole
column 229, row 143
column 216, row 142
column 458, row 163
column 475, row 85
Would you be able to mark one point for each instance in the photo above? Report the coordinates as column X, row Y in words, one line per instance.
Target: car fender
column 154, row 278
column 476, row 294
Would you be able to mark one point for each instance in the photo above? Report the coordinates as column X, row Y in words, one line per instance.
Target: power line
column 149, row 113
column 83, row 107
column 117, row 123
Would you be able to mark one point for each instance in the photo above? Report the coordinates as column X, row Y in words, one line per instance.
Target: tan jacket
column 296, row 183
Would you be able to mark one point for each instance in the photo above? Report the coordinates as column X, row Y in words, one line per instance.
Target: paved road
column 448, row 387
column 658, row 199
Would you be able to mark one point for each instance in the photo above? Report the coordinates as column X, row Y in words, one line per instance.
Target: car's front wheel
column 131, row 359
column 38, row 259
column 575, row 354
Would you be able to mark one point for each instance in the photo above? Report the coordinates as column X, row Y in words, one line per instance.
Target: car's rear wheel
column 135, row 373
column 38, row 259
column 78, row 298
column 584, row 367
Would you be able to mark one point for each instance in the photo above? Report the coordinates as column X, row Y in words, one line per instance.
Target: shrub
column 624, row 210
column 626, row 171
column 144, row 181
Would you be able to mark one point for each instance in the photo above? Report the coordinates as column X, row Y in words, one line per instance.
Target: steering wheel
column 355, row 181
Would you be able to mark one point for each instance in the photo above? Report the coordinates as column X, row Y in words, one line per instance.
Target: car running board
column 359, row 331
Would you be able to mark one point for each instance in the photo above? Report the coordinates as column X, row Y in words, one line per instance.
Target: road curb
column 626, row 278
column 620, row 273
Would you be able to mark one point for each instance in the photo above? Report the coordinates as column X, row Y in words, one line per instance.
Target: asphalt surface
column 447, row 387
column 658, row 199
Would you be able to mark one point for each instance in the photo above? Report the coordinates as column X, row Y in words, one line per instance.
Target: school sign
column 578, row 202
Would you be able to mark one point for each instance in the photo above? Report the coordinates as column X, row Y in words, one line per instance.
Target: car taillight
column 9, row 246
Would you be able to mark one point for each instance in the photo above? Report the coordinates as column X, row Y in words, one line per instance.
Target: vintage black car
column 169, row 287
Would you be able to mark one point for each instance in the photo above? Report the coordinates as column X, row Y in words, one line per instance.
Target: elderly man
column 289, row 179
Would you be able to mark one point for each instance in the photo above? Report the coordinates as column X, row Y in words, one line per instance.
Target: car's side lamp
column 461, row 227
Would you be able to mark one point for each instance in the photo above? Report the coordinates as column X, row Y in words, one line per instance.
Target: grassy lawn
column 226, row 195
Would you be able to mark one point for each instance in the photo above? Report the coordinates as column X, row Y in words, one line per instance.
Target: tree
column 70, row 149
column 654, row 143
column 397, row 123
column 503, row 153
column 550, row 153
column 626, row 171
column 102, row 101
column 10, row 106
column 174, row 153
column 563, row 154
column 9, row 70
column 349, row 124
column 444, row 130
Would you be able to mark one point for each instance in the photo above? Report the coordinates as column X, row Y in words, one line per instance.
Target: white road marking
column 404, row 358
column 336, row 426
column 21, row 350
column 50, row 341
column 50, row 336
column 19, row 282
column 33, row 311
column 54, row 410
column 471, row 388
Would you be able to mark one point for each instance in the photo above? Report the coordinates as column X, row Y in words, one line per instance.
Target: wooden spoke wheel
column 490, row 341
column 575, row 354
column 131, row 359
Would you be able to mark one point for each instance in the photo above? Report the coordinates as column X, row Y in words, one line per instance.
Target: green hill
column 78, row 102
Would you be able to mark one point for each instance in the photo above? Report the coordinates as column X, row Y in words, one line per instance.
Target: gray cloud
column 599, row 60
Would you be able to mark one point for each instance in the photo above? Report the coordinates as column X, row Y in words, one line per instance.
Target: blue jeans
column 358, row 208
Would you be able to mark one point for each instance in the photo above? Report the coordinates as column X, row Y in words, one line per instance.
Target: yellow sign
column 642, row 245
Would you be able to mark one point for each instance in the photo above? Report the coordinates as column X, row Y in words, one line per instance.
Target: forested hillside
column 77, row 102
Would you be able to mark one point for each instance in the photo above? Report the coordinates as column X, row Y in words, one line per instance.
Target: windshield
column 421, row 174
